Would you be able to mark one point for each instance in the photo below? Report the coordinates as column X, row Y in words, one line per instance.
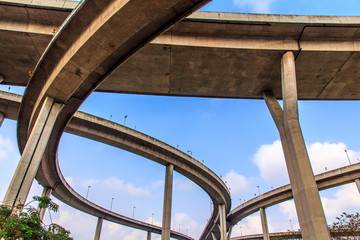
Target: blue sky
column 237, row 139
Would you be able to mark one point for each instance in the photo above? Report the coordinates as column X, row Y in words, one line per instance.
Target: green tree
column 27, row 225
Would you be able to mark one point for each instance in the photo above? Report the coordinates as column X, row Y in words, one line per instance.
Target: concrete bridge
column 98, row 129
column 205, row 55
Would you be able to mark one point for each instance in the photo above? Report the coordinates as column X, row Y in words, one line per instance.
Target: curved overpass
column 67, row 73
column 98, row 129
column 325, row 180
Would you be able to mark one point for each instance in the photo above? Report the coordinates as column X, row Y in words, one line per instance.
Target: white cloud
column 236, row 182
column 329, row 155
column 258, row 6
column 123, row 187
column 247, row 226
column 187, row 224
column 184, row 185
column 323, row 156
column 288, row 209
column 7, row 147
column 271, row 163
column 346, row 199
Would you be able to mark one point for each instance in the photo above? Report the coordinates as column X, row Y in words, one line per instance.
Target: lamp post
column 87, row 193
column 152, row 218
column 112, row 199
column 258, row 189
column 133, row 212
column 347, row 156
column 291, row 228
column 125, row 119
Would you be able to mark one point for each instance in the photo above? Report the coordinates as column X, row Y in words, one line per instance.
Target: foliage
column 27, row 224
column 347, row 226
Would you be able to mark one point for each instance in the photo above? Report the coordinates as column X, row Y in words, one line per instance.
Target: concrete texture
column 98, row 228
column 326, row 64
column 32, row 155
column 166, row 219
column 307, row 200
column 264, row 224
column 222, row 225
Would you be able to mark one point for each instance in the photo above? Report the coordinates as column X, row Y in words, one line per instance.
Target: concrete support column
column 213, row 236
column 2, row 117
column 46, row 193
column 264, row 224
column 98, row 228
column 166, row 221
column 229, row 233
column 32, row 154
column 148, row 236
column 222, row 214
column 357, row 181
column 306, row 196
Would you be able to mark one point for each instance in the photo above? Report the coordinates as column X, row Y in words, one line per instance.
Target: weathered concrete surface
column 308, row 205
column 264, row 224
column 98, row 228
column 181, row 60
column 324, row 181
column 32, row 155
column 167, row 205
column 25, row 31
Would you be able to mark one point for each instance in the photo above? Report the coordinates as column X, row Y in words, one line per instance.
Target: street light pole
column 112, row 199
column 258, row 189
column 152, row 218
column 87, row 193
column 133, row 211
column 347, row 156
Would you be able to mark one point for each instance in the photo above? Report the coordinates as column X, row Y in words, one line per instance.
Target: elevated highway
column 101, row 130
column 324, row 181
column 116, row 135
column 246, row 48
column 206, row 55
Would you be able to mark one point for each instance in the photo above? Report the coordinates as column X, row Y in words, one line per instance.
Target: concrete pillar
column 222, row 214
column 229, row 233
column 306, row 196
column 2, row 117
column 46, row 193
column 166, row 221
column 264, row 224
column 357, row 181
column 98, row 228
column 148, row 235
column 32, row 154
column 213, row 236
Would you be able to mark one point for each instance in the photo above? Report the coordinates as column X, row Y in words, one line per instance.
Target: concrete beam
column 46, row 193
column 27, row 27
column 257, row 43
column 307, row 200
column 264, row 224
column 166, row 222
column 213, row 236
column 98, row 228
column 222, row 215
column 357, row 182
column 32, row 155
